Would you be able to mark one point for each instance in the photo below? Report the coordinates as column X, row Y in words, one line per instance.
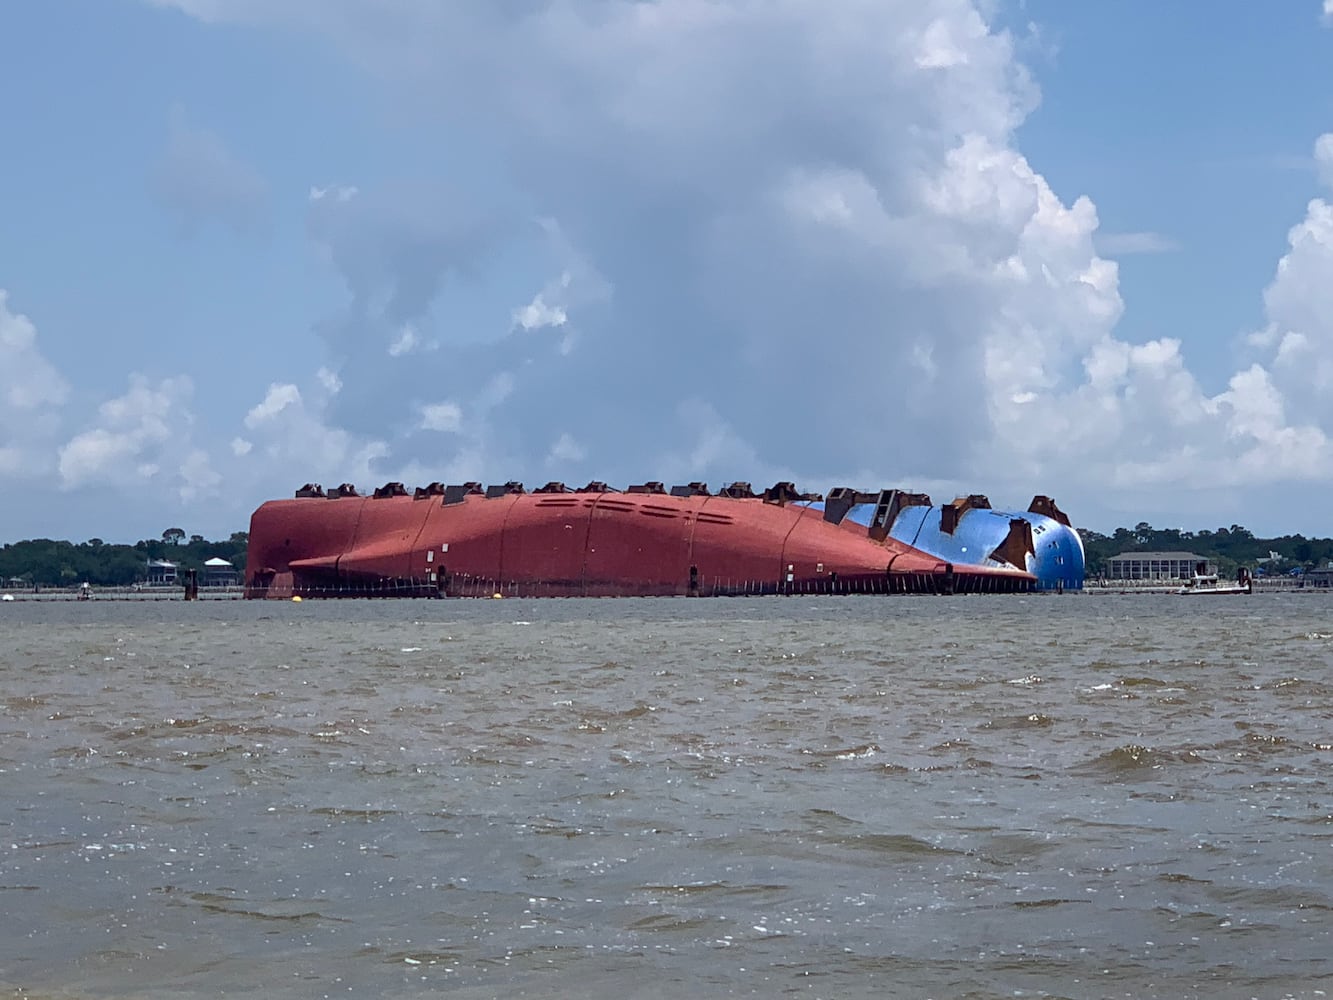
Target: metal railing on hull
column 467, row 586
column 903, row 583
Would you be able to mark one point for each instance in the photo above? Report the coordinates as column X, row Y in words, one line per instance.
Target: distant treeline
column 1228, row 548
column 46, row 563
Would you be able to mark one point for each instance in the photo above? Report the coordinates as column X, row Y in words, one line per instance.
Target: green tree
column 173, row 536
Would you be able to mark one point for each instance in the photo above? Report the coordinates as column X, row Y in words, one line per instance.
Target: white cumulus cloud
column 564, row 453
column 137, row 437
column 32, row 396
column 329, row 380
column 278, row 398
column 27, row 379
column 830, row 258
column 288, row 431
column 406, row 342
column 537, row 314
column 441, row 417
column 1323, row 157
column 338, row 192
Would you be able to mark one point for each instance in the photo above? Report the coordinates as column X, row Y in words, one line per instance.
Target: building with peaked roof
column 219, row 572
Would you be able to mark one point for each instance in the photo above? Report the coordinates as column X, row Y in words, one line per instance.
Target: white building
column 161, row 573
column 1155, row 566
column 219, row 572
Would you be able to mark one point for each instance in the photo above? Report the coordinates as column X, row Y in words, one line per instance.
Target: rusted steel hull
column 584, row 544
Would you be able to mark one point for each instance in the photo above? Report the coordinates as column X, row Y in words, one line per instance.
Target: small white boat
column 1204, row 583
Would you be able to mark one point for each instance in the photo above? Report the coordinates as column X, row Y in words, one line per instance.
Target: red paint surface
column 582, row 544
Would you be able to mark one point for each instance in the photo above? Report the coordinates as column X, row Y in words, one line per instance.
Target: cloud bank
column 776, row 240
column 31, row 394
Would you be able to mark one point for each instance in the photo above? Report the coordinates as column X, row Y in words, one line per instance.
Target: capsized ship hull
column 593, row 542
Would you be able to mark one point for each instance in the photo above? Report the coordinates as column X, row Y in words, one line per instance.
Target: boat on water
column 1204, row 583
column 595, row 541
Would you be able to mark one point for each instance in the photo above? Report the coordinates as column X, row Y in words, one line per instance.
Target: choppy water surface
column 1074, row 796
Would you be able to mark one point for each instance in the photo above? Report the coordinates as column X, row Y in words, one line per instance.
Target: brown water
column 950, row 797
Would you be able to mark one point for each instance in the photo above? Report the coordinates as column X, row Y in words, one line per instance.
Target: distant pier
column 123, row 594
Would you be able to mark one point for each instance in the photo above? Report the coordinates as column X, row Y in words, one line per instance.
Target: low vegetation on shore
column 42, row 562
column 1226, row 548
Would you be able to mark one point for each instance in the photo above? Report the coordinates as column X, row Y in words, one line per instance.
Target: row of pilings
column 463, row 585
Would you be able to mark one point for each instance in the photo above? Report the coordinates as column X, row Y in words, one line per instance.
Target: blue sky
column 952, row 245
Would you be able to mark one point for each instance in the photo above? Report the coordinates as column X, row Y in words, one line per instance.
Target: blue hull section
column 1056, row 562
column 1056, row 558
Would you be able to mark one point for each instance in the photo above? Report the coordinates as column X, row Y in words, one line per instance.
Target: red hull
column 583, row 544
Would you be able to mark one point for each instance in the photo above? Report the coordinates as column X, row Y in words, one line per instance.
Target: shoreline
column 79, row 594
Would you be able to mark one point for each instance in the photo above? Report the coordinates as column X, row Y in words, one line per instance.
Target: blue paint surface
column 1057, row 561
